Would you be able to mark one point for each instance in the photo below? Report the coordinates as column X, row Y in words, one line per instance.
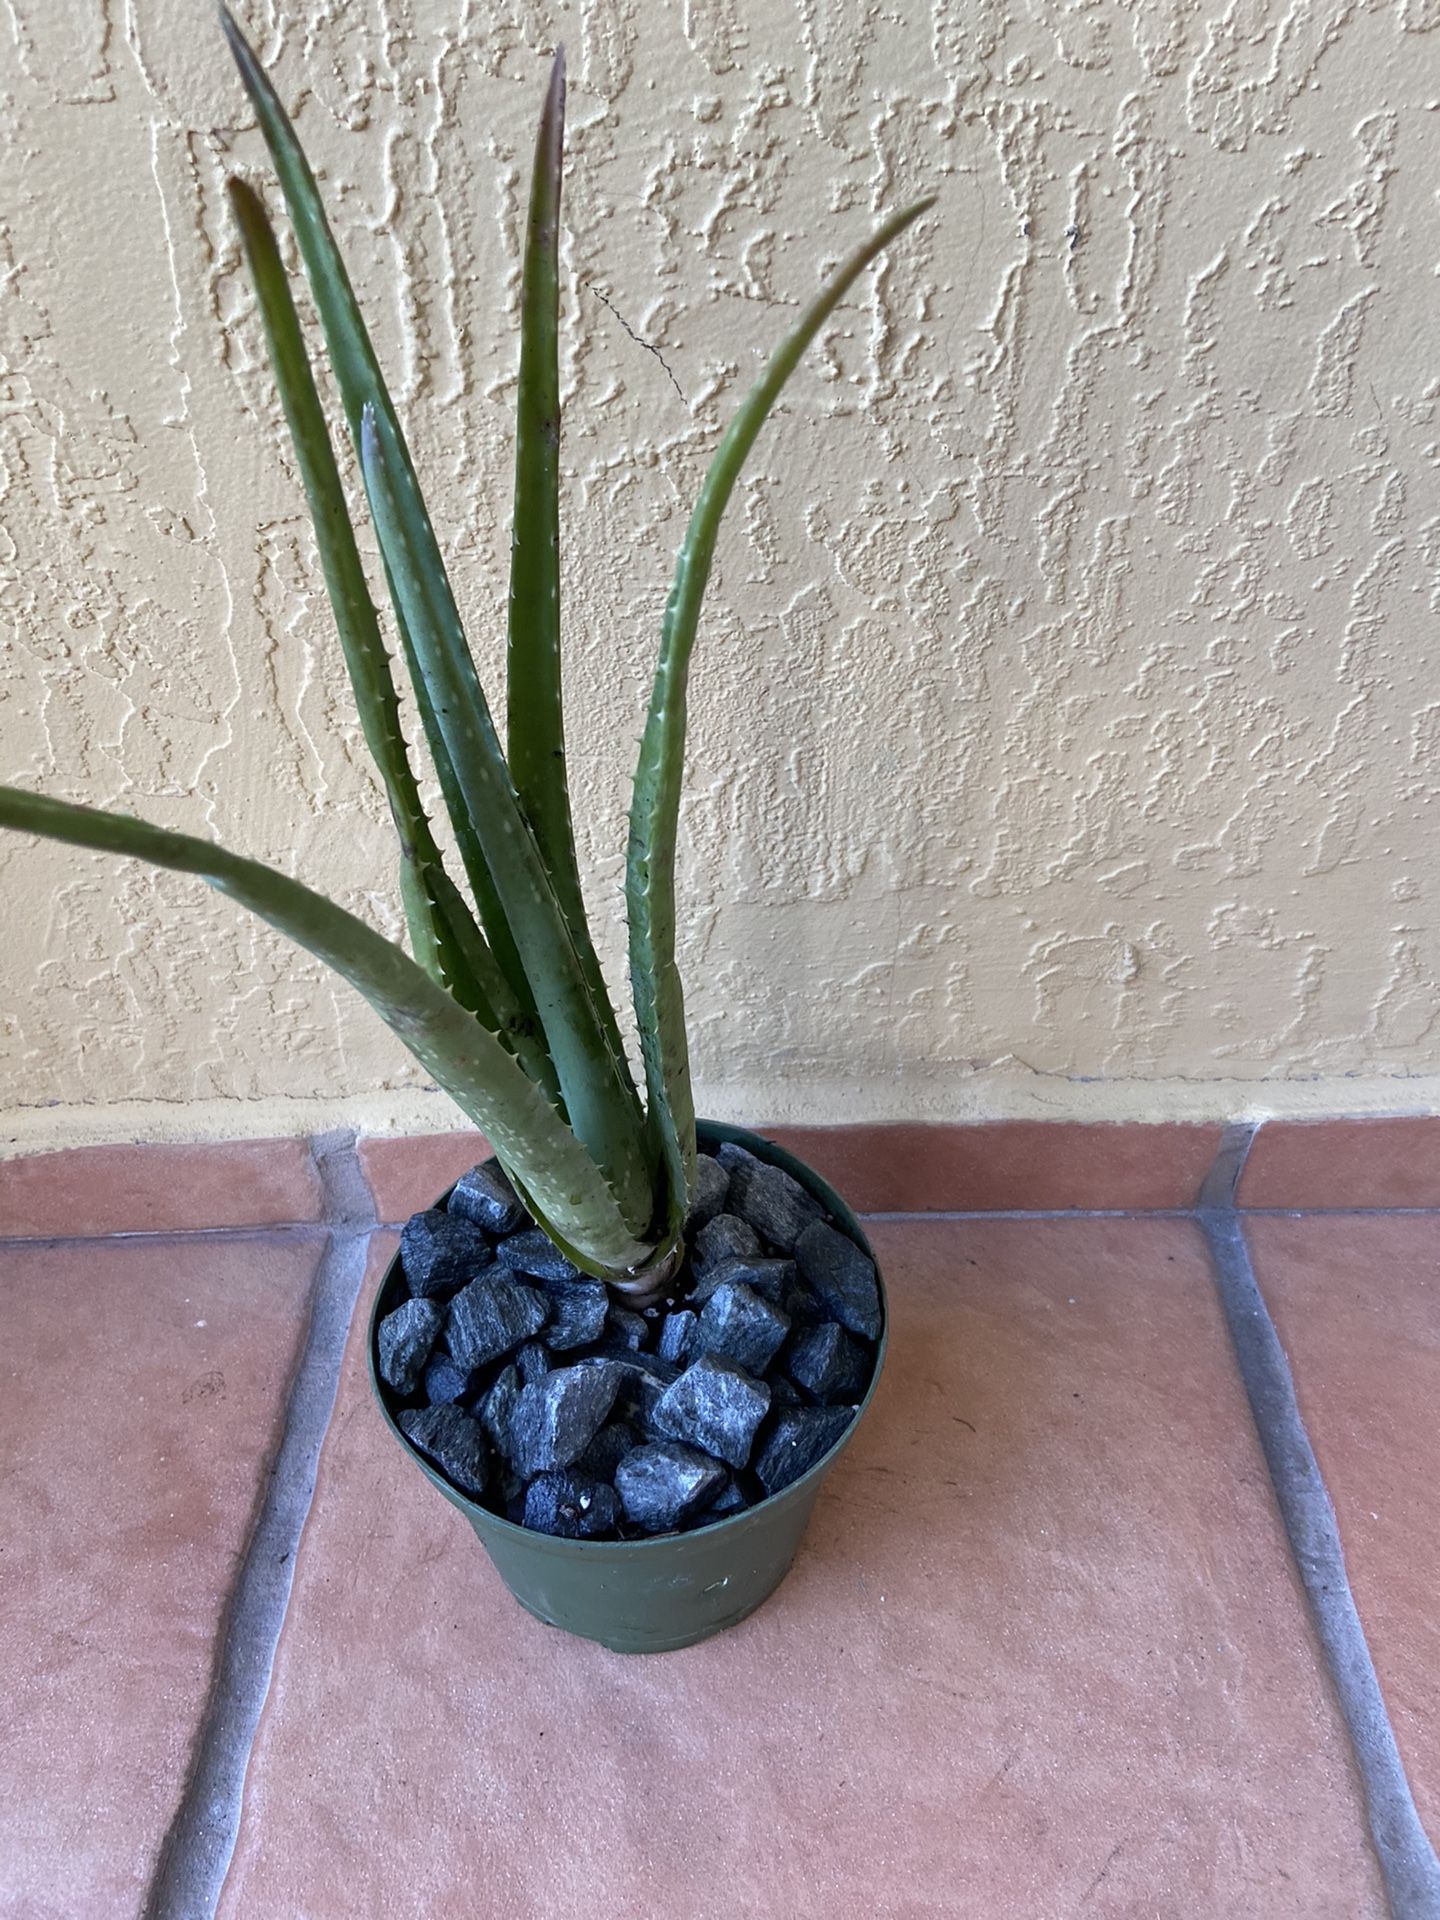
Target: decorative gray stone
column 571, row 1505
column 662, row 1485
column 726, row 1237
column 644, row 1378
column 405, row 1338
column 772, row 1279
column 535, row 1253
column 443, row 1383
column 784, row 1393
column 776, row 1205
column 440, row 1252
column 631, row 1329
column 491, row 1317
column 712, row 1183
column 533, row 1360
column 497, row 1410
column 829, row 1364
column 577, row 1313
column 677, row 1336
column 453, row 1441
column 804, row 1305
column 602, row 1457
column 557, row 1418
column 715, row 1406
column 799, row 1437
column 843, row 1276
column 729, row 1500
column 485, row 1196
column 742, row 1326
column 730, row 1154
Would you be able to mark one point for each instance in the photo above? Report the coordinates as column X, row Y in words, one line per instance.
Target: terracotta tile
column 406, row 1172
column 1357, row 1303
column 1379, row 1162
column 144, row 1386
column 158, row 1189
column 1042, row 1654
column 1008, row 1165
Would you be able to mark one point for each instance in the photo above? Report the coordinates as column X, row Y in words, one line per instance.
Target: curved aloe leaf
column 599, row 1100
column 654, row 812
column 600, row 1104
column 358, row 376
column 469, row 1063
column 535, row 721
column 497, row 933
column 442, row 930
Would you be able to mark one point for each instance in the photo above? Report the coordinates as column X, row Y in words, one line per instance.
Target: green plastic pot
column 652, row 1596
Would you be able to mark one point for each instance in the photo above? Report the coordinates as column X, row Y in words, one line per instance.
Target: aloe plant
column 501, row 999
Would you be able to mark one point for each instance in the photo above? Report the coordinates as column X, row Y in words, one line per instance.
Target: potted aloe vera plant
column 627, row 1348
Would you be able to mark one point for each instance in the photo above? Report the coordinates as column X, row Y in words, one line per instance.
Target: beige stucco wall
column 1067, row 720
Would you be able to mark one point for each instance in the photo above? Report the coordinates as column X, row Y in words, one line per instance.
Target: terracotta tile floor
column 1357, row 1302
column 144, row 1385
column 1045, row 1651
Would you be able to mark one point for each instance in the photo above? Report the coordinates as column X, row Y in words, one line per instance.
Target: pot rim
column 718, row 1131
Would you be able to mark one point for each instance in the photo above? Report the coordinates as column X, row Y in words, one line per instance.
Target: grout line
column 1221, row 1184
column 292, row 1230
column 166, row 1236
column 1406, row 1857
column 197, row 1850
column 1337, row 1213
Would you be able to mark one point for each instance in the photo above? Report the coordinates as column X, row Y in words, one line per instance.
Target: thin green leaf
column 601, row 1106
column 358, row 376
column 359, row 629
column 485, row 1080
column 465, row 951
column 443, row 933
column 472, row 858
column 655, row 808
column 535, row 723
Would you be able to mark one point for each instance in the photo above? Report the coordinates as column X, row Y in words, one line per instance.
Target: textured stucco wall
column 1068, row 712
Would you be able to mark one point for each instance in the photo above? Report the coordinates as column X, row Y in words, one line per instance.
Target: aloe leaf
column 365, row 656
column 358, row 376
column 485, row 1080
column 600, row 1104
column 464, row 951
column 357, row 370
column 535, row 723
column 500, row 939
column 443, row 933
column 655, row 807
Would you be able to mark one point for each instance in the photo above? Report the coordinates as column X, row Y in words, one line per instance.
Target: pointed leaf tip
column 654, row 812
column 230, row 27
column 552, row 116
column 245, row 202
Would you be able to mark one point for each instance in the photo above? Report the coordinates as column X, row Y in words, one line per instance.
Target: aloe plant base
column 653, row 1595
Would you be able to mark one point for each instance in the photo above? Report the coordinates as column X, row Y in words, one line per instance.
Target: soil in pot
column 545, row 1400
